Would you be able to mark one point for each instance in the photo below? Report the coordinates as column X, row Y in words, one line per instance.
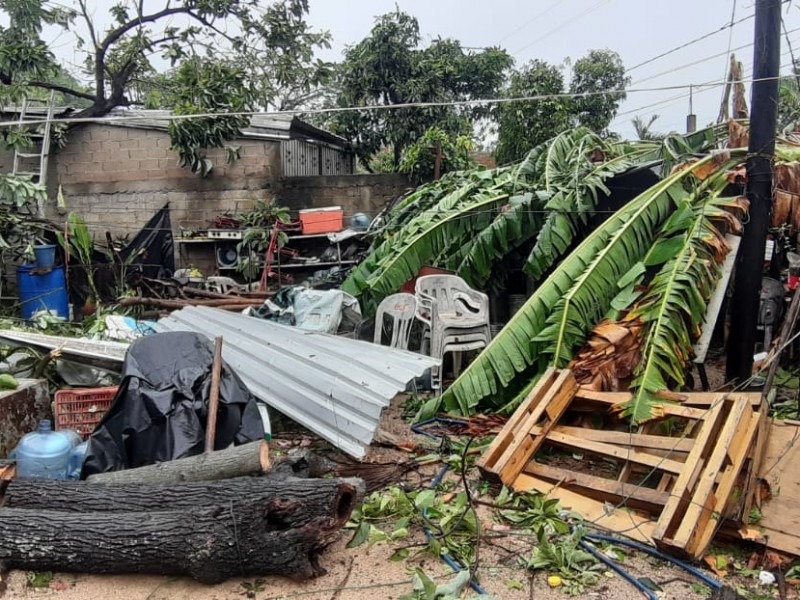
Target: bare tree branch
column 117, row 33
column 89, row 24
column 61, row 88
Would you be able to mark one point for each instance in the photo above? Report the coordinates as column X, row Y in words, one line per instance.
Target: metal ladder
column 24, row 161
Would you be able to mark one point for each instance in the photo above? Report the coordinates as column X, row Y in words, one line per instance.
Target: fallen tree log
column 303, row 500
column 210, row 544
column 235, row 461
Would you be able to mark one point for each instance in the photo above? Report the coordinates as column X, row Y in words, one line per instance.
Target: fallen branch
column 311, row 499
column 209, row 544
column 235, row 461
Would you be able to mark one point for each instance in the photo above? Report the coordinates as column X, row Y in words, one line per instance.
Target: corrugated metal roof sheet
column 102, row 354
column 262, row 126
column 334, row 386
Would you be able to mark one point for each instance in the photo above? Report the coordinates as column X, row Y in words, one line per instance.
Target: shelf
column 204, row 240
column 313, row 264
column 309, row 236
column 277, row 267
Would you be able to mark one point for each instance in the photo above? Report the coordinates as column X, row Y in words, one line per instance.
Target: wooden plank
column 524, row 445
column 626, row 439
column 612, row 398
column 701, row 537
column 590, row 483
column 704, row 497
column 706, row 399
column 700, row 348
column 694, row 463
column 636, row 456
column 488, row 462
column 8, row 472
column 755, row 460
column 780, row 515
column 693, row 399
column 618, row 521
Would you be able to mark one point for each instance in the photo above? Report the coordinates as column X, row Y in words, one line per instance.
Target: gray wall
column 354, row 193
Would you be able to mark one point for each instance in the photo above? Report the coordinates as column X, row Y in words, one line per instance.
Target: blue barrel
column 47, row 291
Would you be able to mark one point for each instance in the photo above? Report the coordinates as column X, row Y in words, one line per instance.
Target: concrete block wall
column 117, row 177
column 355, row 193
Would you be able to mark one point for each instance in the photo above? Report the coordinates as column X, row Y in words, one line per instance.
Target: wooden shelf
column 313, row 264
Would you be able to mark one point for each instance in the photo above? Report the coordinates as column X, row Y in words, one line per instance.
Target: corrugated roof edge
column 262, row 126
column 334, row 386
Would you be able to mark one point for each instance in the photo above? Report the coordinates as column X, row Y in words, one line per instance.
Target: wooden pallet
column 669, row 489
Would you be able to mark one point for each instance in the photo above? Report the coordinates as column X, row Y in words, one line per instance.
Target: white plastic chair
column 456, row 315
column 402, row 310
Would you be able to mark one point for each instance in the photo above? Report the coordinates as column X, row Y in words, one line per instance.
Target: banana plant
column 456, row 218
column 561, row 312
column 674, row 305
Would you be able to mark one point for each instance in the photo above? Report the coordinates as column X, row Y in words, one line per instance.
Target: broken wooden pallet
column 675, row 477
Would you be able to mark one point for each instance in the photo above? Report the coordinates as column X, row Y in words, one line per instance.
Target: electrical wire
column 729, row 25
column 549, row 9
column 349, row 109
column 566, row 23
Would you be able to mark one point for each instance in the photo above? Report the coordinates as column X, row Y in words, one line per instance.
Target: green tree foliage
column 598, row 71
column 789, row 101
column 247, row 56
column 389, row 67
column 525, row 124
column 419, row 159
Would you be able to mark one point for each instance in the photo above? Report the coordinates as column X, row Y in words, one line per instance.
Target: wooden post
column 437, row 161
column 213, row 398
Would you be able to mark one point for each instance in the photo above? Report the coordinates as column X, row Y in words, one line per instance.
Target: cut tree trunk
column 209, row 544
column 235, row 461
column 303, row 501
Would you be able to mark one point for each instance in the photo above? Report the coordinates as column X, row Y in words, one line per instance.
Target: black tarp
column 149, row 254
column 160, row 410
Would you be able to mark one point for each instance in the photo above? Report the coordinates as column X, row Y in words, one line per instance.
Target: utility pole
column 763, row 120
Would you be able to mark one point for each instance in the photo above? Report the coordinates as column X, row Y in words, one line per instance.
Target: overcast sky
column 553, row 30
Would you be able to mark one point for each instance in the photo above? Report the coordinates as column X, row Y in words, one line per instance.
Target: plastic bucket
column 45, row 256
column 47, row 291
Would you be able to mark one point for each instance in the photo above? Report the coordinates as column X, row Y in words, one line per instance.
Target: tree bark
column 302, row 501
column 210, row 544
column 235, row 461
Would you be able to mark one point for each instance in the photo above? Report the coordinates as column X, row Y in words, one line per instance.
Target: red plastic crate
column 82, row 409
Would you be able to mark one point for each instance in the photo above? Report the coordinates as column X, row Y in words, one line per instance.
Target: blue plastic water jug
column 44, row 453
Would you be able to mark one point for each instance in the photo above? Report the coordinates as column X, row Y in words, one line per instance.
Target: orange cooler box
column 322, row 220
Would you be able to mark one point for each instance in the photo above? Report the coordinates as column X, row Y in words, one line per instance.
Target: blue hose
column 714, row 585
column 618, row 570
column 598, row 537
column 448, row 560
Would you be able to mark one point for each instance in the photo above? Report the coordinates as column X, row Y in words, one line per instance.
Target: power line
column 673, row 99
column 349, row 109
column 570, row 21
column 700, row 61
column 531, row 20
column 692, row 42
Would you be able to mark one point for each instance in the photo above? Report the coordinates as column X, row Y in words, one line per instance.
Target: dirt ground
column 367, row 572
